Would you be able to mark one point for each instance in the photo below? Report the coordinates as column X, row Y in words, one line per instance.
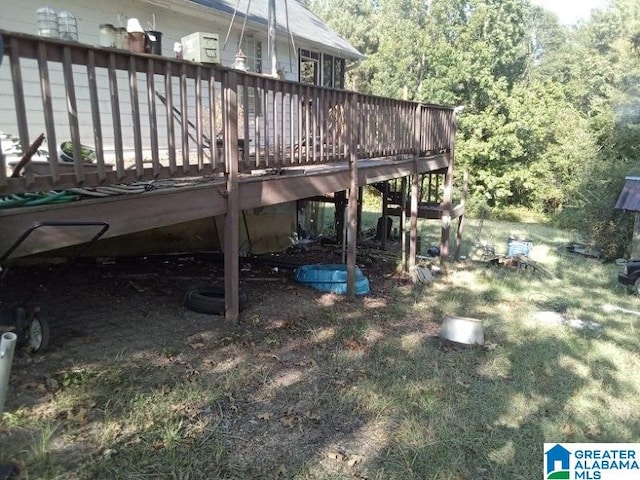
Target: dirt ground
column 132, row 308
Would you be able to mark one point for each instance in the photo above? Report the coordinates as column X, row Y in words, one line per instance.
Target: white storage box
column 201, row 47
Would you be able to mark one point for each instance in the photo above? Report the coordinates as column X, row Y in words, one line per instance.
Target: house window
column 338, row 72
column 332, row 71
column 252, row 48
column 309, row 67
column 327, row 71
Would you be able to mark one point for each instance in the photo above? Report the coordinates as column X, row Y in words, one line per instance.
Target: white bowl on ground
column 469, row 331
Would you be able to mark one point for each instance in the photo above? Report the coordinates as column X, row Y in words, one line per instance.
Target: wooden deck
column 219, row 141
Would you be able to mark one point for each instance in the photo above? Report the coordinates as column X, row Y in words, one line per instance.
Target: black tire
column 38, row 334
column 209, row 300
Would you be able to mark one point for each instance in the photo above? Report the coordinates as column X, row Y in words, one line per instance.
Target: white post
column 7, row 347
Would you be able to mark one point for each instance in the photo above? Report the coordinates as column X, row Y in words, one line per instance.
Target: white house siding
column 21, row 17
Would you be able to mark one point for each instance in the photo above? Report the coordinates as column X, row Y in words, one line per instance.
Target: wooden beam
column 232, row 218
column 352, row 237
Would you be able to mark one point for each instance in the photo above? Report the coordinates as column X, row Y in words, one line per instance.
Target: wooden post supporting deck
column 465, row 186
column 446, row 210
column 385, row 213
column 414, row 189
column 232, row 217
column 403, row 222
column 352, row 237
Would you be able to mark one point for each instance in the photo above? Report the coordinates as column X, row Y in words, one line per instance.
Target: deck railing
column 146, row 117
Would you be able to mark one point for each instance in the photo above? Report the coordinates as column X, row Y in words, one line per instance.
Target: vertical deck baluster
column 199, row 139
column 406, row 126
column 72, row 112
column 223, row 122
column 171, row 132
column 283, row 139
column 315, row 106
column 153, row 119
column 425, row 129
column 135, row 116
column 246, row 161
column 322, row 120
column 376, row 127
column 276, row 130
column 406, row 129
column 397, row 127
column 290, row 145
column 47, row 106
column 274, row 120
column 184, row 118
column 337, row 125
column 449, row 116
column 115, row 115
column 421, row 128
column 95, row 115
column 394, row 126
column 435, row 118
column 213, row 135
column 300, row 111
column 339, row 108
column 21, row 111
column 443, row 128
column 379, row 127
column 385, row 125
column 366, row 121
column 308, row 132
column 265, row 114
column 441, row 143
column 257, row 95
column 428, row 127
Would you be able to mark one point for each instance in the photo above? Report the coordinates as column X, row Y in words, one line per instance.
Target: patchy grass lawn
column 310, row 386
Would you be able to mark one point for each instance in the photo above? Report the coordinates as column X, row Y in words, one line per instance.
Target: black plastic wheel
column 209, row 300
column 38, row 334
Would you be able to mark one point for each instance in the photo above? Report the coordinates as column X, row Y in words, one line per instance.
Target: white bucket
column 469, row 331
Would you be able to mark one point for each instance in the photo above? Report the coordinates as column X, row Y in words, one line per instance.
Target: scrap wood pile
column 520, row 261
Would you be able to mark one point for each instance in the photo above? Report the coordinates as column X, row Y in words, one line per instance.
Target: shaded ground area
column 129, row 311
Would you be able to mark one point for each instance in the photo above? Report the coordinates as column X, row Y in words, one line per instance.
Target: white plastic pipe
column 7, row 347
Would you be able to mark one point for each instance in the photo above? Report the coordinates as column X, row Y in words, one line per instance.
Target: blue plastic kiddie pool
column 331, row 278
